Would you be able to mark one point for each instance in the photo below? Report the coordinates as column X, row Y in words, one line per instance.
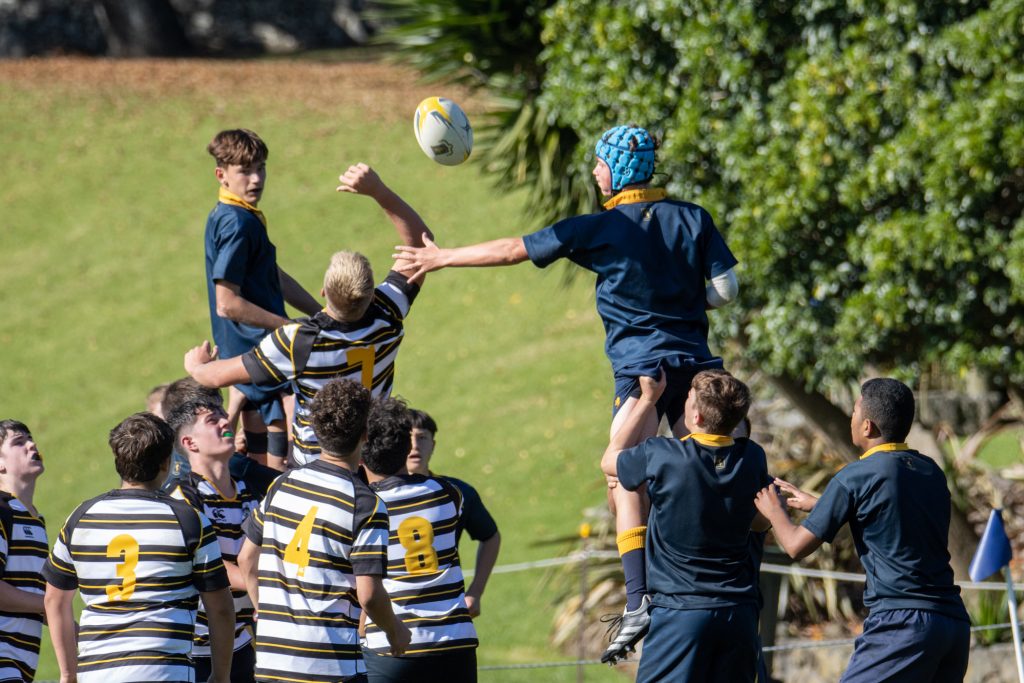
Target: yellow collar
column 649, row 194
column 227, row 197
column 886, row 447
column 713, row 440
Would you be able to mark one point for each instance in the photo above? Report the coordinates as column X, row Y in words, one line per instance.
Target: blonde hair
column 348, row 285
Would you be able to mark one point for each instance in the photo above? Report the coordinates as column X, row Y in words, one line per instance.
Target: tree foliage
column 863, row 158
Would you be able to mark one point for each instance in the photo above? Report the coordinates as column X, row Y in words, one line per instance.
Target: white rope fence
column 767, row 567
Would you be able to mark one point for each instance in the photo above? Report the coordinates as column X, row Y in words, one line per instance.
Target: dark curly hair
column 141, row 444
column 338, row 415
column 889, row 403
column 387, row 436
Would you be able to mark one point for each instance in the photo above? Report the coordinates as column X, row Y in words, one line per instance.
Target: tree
column 141, row 28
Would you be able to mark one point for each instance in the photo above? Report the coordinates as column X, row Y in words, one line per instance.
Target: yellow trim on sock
column 631, row 539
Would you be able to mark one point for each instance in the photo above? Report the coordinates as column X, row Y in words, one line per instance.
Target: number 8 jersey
column 140, row 559
column 424, row 579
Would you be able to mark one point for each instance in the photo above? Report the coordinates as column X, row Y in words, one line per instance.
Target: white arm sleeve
column 722, row 290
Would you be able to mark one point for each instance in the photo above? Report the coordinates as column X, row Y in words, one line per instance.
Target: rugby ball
column 443, row 131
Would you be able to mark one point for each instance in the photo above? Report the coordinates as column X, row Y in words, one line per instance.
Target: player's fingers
column 429, row 242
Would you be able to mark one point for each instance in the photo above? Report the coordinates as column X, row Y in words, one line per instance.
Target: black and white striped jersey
column 140, row 560
column 424, row 579
column 23, row 550
column 313, row 352
column 318, row 528
column 226, row 515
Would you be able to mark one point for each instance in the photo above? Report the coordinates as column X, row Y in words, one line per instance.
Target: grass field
column 104, row 189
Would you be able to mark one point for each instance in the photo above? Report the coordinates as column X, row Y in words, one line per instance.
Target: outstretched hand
column 200, row 355
column 361, row 179
column 768, row 502
column 419, row 260
column 796, row 498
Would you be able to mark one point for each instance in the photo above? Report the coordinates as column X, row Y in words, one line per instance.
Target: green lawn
column 104, row 193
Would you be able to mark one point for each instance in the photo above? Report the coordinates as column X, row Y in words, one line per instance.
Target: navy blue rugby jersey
column 897, row 505
column 239, row 251
column 702, row 490
column 475, row 519
column 652, row 257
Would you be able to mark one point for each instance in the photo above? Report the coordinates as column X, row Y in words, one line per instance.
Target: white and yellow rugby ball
column 443, row 131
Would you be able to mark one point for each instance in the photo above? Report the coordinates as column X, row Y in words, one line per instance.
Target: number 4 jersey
column 424, row 579
column 312, row 352
column 318, row 528
column 140, row 559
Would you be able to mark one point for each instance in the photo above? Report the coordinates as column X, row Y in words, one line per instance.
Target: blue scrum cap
column 629, row 153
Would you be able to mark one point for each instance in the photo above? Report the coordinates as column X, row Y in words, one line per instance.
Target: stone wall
column 212, row 27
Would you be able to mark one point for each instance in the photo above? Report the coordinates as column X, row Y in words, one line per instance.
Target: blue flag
column 993, row 551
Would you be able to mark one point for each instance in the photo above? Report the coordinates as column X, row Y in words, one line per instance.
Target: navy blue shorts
column 267, row 400
column 911, row 645
column 458, row 666
column 701, row 645
column 679, row 374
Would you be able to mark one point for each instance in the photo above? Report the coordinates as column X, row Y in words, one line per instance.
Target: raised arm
column 422, row 260
column 361, row 179
column 629, row 434
column 296, row 295
column 202, row 364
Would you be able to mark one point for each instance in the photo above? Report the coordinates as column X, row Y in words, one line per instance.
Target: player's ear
column 188, row 443
column 218, row 172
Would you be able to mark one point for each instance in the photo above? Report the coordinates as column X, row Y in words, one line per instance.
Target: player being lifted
column 141, row 560
column 424, row 579
column 653, row 258
column 315, row 552
column 356, row 336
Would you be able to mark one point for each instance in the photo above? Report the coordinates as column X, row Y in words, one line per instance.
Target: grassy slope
column 104, row 192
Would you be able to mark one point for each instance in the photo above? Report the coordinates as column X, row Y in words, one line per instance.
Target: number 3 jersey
column 424, row 579
column 140, row 559
column 312, row 352
column 318, row 528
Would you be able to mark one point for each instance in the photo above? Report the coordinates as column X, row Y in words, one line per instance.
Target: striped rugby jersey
column 140, row 559
column 424, row 579
column 226, row 515
column 23, row 550
column 318, row 527
column 312, row 352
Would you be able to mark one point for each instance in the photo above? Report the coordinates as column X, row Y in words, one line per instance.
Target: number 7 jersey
column 312, row 352
column 140, row 560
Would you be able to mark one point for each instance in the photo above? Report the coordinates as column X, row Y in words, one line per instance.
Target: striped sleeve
column 399, row 293
column 6, row 524
column 208, row 573
column 273, row 361
column 252, row 527
column 59, row 570
column 370, row 548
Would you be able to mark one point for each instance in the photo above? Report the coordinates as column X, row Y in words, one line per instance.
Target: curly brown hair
column 338, row 414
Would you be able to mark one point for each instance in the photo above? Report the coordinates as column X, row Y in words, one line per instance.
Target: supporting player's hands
column 651, row 389
column 418, row 260
column 769, row 504
column 200, row 355
column 361, row 179
column 399, row 638
column 796, row 498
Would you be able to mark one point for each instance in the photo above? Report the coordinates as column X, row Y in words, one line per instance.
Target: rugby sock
column 277, row 444
column 631, row 552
